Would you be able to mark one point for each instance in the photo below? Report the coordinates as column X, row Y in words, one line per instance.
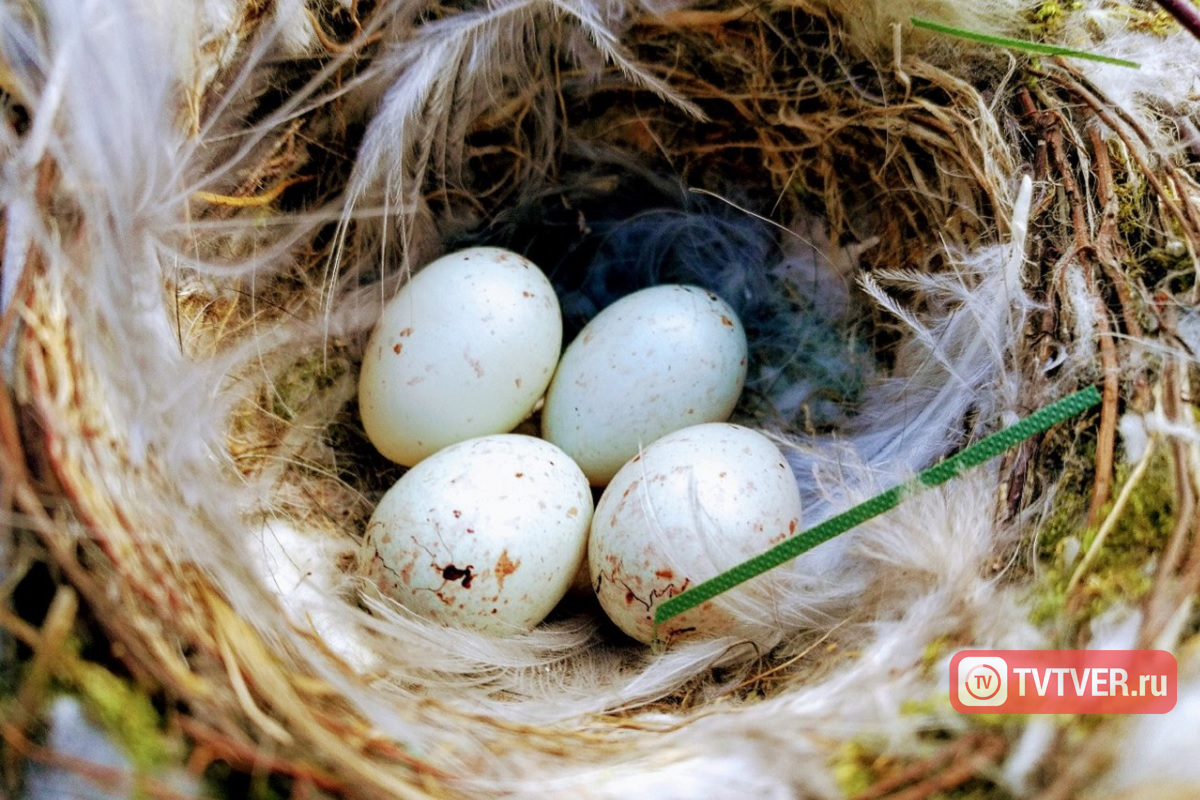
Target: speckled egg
column 466, row 348
column 486, row 534
column 693, row 504
column 655, row 361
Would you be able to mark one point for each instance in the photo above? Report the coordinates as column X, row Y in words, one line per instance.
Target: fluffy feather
column 1168, row 73
column 442, row 75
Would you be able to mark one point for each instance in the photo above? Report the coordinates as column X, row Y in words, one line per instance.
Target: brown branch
column 1031, row 112
column 1108, row 249
column 968, row 756
column 1106, row 437
column 1066, row 175
column 251, row 759
column 48, row 653
column 1077, row 767
column 1164, row 593
column 1189, row 583
column 1038, row 349
column 333, row 45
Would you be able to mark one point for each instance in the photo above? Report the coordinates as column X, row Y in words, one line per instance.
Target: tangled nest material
column 204, row 210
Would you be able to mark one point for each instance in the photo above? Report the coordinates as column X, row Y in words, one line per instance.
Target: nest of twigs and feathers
column 262, row 276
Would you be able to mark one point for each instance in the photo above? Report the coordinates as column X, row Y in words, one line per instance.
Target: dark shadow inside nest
column 609, row 229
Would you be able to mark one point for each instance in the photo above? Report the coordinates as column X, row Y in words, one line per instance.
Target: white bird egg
column 466, row 348
column 486, row 534
column 653, row 362
column 693, row 504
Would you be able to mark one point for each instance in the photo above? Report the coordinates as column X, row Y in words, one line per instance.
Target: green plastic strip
column 1019, row 44
column 983, row 450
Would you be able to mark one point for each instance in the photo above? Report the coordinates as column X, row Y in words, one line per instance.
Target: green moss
column 1153, row 21
column 1119, row 572
column 939, row 705
column 933, row 652
column 118, row 706
column 1132, row 199
column 125, row 712
column 930, row 706
column 1150, row 257
column 1051, row 17
column 303, row 381
column 855, row 768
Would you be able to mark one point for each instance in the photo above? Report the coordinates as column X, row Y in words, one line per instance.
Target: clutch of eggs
column 487, row 529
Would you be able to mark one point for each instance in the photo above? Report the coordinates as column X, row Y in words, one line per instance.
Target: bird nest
column 204, row 214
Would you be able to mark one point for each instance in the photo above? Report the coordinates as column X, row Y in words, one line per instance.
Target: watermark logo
column 1063, row 681
column 982, row 681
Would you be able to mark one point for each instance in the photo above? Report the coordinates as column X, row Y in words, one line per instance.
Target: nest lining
column 798, row 124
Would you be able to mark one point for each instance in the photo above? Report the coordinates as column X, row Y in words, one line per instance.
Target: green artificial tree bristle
column 1037, row 48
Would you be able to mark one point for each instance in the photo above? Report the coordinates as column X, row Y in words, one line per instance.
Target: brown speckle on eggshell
column 688, row 521
column 481, row 534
